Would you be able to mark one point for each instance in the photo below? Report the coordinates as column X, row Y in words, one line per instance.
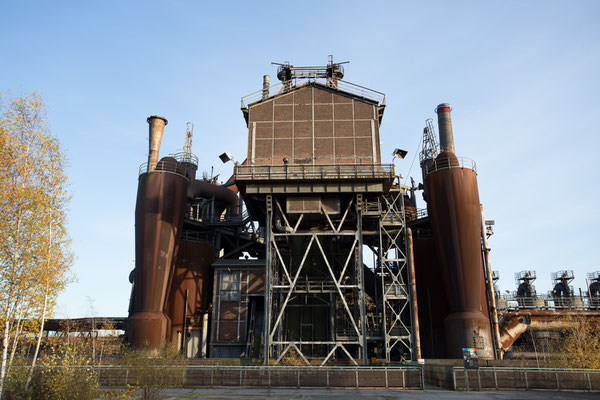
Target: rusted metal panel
column 193, row 272
column 256, row 282
column 431, row 297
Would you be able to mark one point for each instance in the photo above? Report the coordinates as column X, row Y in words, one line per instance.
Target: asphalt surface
column 351, row 394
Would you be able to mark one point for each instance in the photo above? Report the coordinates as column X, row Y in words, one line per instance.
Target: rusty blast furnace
column 313, row 246
column 455, row 218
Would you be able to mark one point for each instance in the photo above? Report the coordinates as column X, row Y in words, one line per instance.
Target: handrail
column 183, row 157
column 198, row 214
column 164, row 166
column 449, row 163
column 303, row 171
column 343, row 86
column 170, row 166
column 512, row 302
column 195, row 236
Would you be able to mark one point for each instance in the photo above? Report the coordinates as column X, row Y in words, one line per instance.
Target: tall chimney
column 266, row 86
column 156, row 129
column 445, row 127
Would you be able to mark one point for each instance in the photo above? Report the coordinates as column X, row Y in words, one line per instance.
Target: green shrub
column 64, row 374
column 14, row 384
column 153, row 371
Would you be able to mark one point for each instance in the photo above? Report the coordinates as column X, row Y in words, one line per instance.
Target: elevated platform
column 301, row 178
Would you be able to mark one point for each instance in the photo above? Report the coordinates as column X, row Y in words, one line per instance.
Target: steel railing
column 170, row 166
column 195, row 236
column 202, row 214
column 449, row 163
column 343, row 86
column 400, row 377
column 301, row 171
column 519, row 378
column 512, row 302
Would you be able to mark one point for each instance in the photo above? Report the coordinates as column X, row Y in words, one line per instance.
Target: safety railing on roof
column 282, row 87
column 301, row 171
column 449, row 163
column 167, row 164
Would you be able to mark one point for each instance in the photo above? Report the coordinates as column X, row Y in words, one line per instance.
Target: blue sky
column 522, row 77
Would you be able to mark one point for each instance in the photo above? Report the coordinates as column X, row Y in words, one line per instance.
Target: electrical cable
column 413, row 160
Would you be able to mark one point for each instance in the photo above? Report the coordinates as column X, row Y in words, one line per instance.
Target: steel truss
column 339, row 279
column 395, row 276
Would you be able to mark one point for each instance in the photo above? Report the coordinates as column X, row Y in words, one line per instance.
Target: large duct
column 225, row 198
column 455, row 215
column 445, row 127
column 156, row 126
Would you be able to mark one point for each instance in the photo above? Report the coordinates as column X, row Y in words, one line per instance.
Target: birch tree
column 35, row 255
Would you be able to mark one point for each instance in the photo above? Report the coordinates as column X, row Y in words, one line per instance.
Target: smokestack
column 156, row 129
column 266, row 86
column 445, row 127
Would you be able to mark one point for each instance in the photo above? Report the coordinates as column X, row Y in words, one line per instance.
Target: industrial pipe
column 225, row 198
column 445, row 127
column 156, row 127
column 266, row 86
column 413, row 295
column 490, row 289
column 204, row 344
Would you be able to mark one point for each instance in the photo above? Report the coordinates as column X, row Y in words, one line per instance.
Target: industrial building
column 314, row 248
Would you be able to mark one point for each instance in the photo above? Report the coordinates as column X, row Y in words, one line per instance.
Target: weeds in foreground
column 153, row 371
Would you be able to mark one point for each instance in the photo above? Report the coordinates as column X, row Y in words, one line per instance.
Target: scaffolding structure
column 339, row 286
column 398, row 318
column 322, row 273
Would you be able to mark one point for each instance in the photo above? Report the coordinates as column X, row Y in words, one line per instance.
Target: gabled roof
column 344, row 88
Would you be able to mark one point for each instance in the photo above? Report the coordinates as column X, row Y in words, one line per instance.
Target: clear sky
column 522, row 77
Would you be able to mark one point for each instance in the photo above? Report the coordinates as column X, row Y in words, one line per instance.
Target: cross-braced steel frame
column 337, row 250
column 394, row 274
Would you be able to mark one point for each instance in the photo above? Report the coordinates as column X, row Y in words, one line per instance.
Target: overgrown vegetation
column 292, row 358
column 153, row 371
column 35, row 255
column 579, row 345
column 65, row 373
column 576, row 345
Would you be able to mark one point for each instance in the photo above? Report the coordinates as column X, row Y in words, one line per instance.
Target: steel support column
column 268, row 238
column 361, row 274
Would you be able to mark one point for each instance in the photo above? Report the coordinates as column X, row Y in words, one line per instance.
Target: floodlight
column 226, row 157
column 399, row 153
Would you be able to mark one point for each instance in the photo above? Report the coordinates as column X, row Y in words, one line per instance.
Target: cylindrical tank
column 455, row 215
column 159, row 214
column 193, row 272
